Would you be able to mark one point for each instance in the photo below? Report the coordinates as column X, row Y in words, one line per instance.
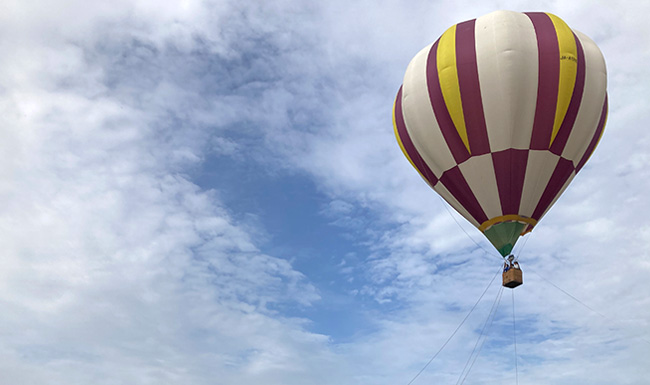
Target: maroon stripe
column 562, row 136
column 455, row 182
column 510, row 170
column 594, row 139
column 548, row 80
column 408, row 143
column 561, row 174
column 470, row 90
column 449, row 132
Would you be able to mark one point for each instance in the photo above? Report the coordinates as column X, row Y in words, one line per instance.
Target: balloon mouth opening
column 503, row 232
column 528, row 223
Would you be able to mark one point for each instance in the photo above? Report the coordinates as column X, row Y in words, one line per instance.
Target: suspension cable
column 462, row 228
column 457, row 328
column 523, row 246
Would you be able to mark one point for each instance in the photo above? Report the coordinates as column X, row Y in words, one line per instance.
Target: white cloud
column 591, row 243
column 117, row 269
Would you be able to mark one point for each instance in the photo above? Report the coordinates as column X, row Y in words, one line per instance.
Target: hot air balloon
column 500, row 114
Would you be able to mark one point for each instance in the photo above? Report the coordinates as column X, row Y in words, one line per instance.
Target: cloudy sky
column 210, row 192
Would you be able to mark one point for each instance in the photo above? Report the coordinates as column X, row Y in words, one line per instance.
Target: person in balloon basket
column 510, row 263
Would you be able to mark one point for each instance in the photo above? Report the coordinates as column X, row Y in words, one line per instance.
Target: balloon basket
column 513, row 278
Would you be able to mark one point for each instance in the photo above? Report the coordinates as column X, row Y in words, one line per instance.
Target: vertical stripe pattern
column 500, row 113
column 446, row 66
column 561, row 174
column 548, row 83
column 566, row 125
column 455, row 182
column 510, row 170
column 468, row 83
column 406, row 144
column 595, row 139
column 568, row 70
column 452, row 136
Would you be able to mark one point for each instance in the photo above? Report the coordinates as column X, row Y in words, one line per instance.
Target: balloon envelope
column 500, row 114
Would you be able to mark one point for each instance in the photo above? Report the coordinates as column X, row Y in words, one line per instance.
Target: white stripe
column 539, row 170
column 482, row 180
column 592, row 101
column 419, row 118
column 507, row 59
column 566, row 184
column 446, row 195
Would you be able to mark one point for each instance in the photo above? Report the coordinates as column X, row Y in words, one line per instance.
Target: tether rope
column 568, row 294
column 514, row 335
column 486, row 328
column 587, row 306
column 457, row 328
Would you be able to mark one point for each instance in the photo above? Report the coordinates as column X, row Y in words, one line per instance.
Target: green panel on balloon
column 504, row 235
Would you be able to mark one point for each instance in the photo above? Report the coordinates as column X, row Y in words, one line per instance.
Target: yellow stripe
column 448, row 77
column 568, row 70
column 401, row 145
column 506, row 218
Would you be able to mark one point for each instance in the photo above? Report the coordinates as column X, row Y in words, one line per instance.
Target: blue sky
column 210, row 192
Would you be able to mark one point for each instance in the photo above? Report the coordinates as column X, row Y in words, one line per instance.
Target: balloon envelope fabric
column 500, row 114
